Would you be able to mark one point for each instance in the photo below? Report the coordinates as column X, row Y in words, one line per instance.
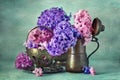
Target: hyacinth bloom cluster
column 51, row 17
column 23, row 61
column 37, row 38
column 65, row 36
column 83, row 23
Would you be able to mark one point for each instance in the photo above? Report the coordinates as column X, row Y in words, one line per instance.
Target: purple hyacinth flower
column 23, row 61
column 51, row 17
column 65, row 36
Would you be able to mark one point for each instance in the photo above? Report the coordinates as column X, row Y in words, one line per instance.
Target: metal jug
column 77, row 57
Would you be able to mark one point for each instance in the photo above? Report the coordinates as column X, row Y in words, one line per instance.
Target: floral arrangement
column 55, row 34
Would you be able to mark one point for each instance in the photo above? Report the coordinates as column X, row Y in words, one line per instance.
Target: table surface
column 105, row 70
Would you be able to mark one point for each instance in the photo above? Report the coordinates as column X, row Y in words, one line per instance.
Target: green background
column 17, row 17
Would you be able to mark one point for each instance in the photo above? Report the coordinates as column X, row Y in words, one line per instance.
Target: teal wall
column 19, row 16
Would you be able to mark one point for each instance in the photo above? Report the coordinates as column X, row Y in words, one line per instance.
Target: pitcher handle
column 94, row 39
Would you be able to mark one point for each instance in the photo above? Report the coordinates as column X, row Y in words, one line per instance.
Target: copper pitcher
column 77, row 57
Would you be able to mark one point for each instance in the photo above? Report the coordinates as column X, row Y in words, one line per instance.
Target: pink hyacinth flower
column 83, row 23
column 38, row 72
column 92, row 71
column 37, row 38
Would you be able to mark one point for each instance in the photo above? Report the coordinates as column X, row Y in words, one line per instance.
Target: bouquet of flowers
column 55, row 34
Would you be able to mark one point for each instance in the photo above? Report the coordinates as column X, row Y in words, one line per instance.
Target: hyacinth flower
column 65, row 36
column 23, row 61
column 38, row 72
column 52, row 17
column 83, row 23
column 38, row 38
